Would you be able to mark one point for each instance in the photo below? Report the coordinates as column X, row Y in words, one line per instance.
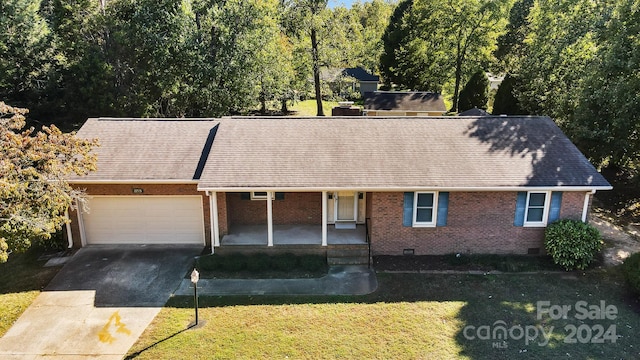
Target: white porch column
column 585, row 207
column 324, row 218
column 214, row 221
column 68, row 228
column 269, row 219
column 83, row 235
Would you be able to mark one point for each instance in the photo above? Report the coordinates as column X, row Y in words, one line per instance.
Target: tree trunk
column 456, row 89
column 316, row 71
column 283, row 109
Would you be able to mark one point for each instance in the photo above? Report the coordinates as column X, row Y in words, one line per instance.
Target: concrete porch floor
column 293, row 235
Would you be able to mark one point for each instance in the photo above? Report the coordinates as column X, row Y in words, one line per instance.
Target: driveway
column 99, row 303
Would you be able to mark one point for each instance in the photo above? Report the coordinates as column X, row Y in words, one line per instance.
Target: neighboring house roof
column 147, row 149
column 474, row 112
column 395, row 153
column 412, row 101
column 360, row 74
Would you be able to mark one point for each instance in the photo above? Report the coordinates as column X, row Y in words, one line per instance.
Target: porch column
column 324, row 218
column 68, row 228
column 269, row 219
column 214, row 221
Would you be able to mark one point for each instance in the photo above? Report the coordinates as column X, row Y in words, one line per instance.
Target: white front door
column 345, row 206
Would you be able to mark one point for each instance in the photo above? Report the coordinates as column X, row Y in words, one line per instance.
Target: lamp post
column 195, row 276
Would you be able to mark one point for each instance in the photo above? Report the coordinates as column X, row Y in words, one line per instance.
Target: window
column 536, row 209
column 258, row 195
column 424, row 209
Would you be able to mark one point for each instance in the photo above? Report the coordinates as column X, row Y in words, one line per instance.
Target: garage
column 144, row 220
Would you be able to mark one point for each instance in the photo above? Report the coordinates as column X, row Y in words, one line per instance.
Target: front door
column 346, row 206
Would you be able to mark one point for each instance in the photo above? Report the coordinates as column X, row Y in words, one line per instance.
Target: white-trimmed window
column 425, row 209
column 537, row 208
column 258, row 195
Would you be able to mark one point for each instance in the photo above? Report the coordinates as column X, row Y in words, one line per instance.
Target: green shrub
column 233, row 262
column 572, row 244
column 284, row 262
column 312, row 262
column 209, row 262
column 258, row 262
column 631, row 270
column 457, row 259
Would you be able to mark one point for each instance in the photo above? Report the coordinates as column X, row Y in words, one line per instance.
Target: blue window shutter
column 556, row 202
column 443, row 208
column 521, row 203
column 407, row 214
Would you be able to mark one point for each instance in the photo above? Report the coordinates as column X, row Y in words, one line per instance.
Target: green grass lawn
column 309, row 107
column 21, row 280
column 411, row 316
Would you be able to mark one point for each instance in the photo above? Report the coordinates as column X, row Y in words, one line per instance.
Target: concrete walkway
column 341, row 280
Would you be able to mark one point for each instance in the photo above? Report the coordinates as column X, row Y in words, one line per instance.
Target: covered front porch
column 294, row 235
column 272, row 218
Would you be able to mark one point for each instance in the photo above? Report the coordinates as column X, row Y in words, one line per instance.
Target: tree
column 606, row 125
column 34, row 193
column 27, row 54
column 510, row 44
column 561, row 45
column 505, row 101
column 427, row 39
column 475, row 93
column 374, row 19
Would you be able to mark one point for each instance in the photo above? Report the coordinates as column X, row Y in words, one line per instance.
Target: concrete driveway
column 99, row 303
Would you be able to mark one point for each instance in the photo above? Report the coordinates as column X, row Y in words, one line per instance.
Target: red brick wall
column 296, row 208
column 477, row 222
column 148, row 189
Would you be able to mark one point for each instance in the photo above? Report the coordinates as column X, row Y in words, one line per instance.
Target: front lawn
column 411, row 316
column 21, row 280
column 309, row 107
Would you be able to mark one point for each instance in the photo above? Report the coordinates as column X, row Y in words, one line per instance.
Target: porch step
column 345, row 225
column 355, row 254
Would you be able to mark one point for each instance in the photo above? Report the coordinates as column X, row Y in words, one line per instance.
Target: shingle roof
column 412, row 101
column 147, row 149
column 377, row 153
column 360, row 74
column 474, row 112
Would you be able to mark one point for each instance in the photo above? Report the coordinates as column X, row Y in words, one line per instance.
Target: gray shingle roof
column 377, row 153
column 412, row 101
column 147, row 149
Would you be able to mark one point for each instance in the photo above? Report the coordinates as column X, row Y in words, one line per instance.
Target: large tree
column 27, row 54
column 430, row 42
column 560, row 47
column 475, row 93
column 34, row 193
column 606, row 125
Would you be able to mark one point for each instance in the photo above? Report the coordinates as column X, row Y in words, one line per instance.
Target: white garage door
column 144, row 220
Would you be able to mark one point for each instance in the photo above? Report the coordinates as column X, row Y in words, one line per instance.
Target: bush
column 312, row 262
column 572, row 244
column 233, row 262
column 258, row 262
column 284, row 262
column 631, row 270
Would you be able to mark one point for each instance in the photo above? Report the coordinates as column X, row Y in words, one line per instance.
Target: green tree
column 475, row 93
column 561, row 45
column 34, row 193
column 510, row 44
column 505, row 101
column 27, row 54
column 429, row 38
column 374, row 19
column 606, row 125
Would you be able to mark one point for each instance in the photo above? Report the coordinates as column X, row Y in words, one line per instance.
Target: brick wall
column 477, row 222
column 303, row 208
column 148, row 189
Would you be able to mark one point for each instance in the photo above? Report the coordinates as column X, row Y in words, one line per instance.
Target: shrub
column 284, row 262
column 258, row 262
column 233, row 262
column 572, row 244
column 631, row 270
column 209, row 262
column 312, row 262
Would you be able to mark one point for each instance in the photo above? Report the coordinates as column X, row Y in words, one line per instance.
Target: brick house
column 433, row 185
